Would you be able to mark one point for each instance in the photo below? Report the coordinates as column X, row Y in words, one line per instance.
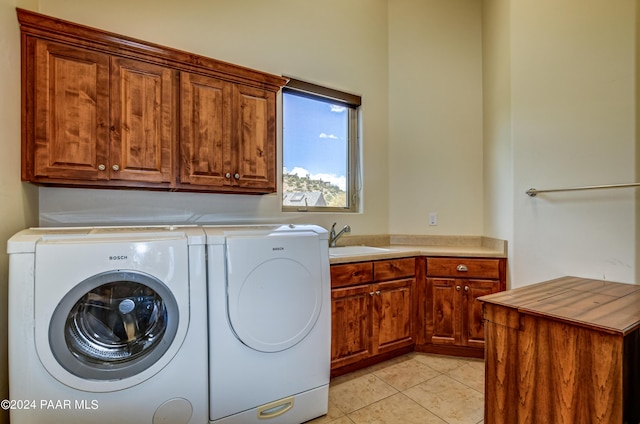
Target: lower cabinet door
column 472, row 321
column 392, row 315
column 443, row 312
column 351, row 324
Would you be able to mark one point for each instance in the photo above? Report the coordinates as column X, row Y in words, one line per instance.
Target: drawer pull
column 462, row 268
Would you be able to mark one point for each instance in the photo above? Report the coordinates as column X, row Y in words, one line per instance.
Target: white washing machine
column 269, row 324
column 108, row 325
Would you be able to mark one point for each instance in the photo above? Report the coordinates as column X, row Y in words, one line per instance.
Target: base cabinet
column 453, row 322
column 564, row 351
column 372, row 311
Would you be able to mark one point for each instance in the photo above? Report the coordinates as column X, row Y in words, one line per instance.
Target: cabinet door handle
column 378, row 292
column 466, row 288
column 227, row 175
column 458, row 288
column 236, row 176
column 371, row 294
column 115, row 167
column 101, row 167
column 462, row 268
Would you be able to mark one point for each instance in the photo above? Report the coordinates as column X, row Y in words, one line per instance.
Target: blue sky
column 315, row 135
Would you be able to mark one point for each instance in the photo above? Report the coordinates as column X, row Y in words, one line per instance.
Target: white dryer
column 108, row 325
column 269, row 324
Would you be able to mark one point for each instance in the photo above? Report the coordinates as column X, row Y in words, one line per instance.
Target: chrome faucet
column 333, row 237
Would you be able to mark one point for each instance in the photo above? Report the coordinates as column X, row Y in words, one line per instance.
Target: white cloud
column 331, row 136
column 337, row 108
column 340, row 181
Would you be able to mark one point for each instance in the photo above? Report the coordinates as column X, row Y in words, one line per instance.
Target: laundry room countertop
column 402, row 246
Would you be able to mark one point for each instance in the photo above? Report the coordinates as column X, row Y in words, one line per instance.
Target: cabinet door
column 142, row 116
column 350, row 324
column 351, row 274
column 254, row 138
column 205, row 118
column 394, row 269
column 472, row 319
column 443, row 312
column 392, row 315
column 70, row 117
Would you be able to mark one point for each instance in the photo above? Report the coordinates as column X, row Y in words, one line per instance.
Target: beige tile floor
column 417, row 388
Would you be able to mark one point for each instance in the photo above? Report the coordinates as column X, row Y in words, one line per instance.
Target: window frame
column 352, row 102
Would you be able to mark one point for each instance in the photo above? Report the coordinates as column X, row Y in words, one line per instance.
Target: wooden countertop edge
column 525, row 299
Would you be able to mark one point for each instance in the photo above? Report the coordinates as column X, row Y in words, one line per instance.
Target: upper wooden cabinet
column 142, row 114
column 105, row 110
column 67, row 129
column 228, row 134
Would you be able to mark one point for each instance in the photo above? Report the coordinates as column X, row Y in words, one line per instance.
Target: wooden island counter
column 563, row 351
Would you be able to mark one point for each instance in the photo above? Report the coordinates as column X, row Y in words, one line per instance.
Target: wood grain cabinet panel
column 68, row 127
column 100, row 118
column 227, row 136
column 105, row 110
column 254, row 138
column 371, row 321
column 453, row 315
column 445, row 311
column 205, row 119
column 394, row 268
column 351, row 274
column 142, row 121
column 557, row 353
column 393, row 315
column 351, row 314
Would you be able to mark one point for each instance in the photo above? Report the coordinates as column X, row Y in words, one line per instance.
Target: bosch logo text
column 118, row 257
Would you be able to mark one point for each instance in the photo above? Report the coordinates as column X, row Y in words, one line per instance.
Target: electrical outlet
column 433, row 218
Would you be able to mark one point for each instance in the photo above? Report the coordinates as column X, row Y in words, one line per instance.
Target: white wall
column 341, row 44
column 435, row 116
column 570, row 112
column 497, row 131
column 18, row 201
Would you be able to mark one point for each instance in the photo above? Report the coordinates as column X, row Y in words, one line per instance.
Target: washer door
column 274, row 289
column 113, row 325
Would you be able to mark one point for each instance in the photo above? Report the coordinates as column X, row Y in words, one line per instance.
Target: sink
column 335, row 252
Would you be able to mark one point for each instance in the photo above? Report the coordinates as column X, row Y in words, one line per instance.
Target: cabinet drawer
column 393, row 269
column 351, row 274
column 463, row 267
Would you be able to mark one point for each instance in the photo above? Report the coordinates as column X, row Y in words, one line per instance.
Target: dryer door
column 274, row 288
column 113, row 325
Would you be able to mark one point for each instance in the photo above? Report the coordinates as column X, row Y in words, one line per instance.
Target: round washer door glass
column 113, row 325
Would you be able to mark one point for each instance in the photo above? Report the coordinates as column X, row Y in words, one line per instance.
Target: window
column 320, row 155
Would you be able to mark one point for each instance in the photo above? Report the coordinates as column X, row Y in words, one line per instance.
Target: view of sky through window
column 315, row 139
